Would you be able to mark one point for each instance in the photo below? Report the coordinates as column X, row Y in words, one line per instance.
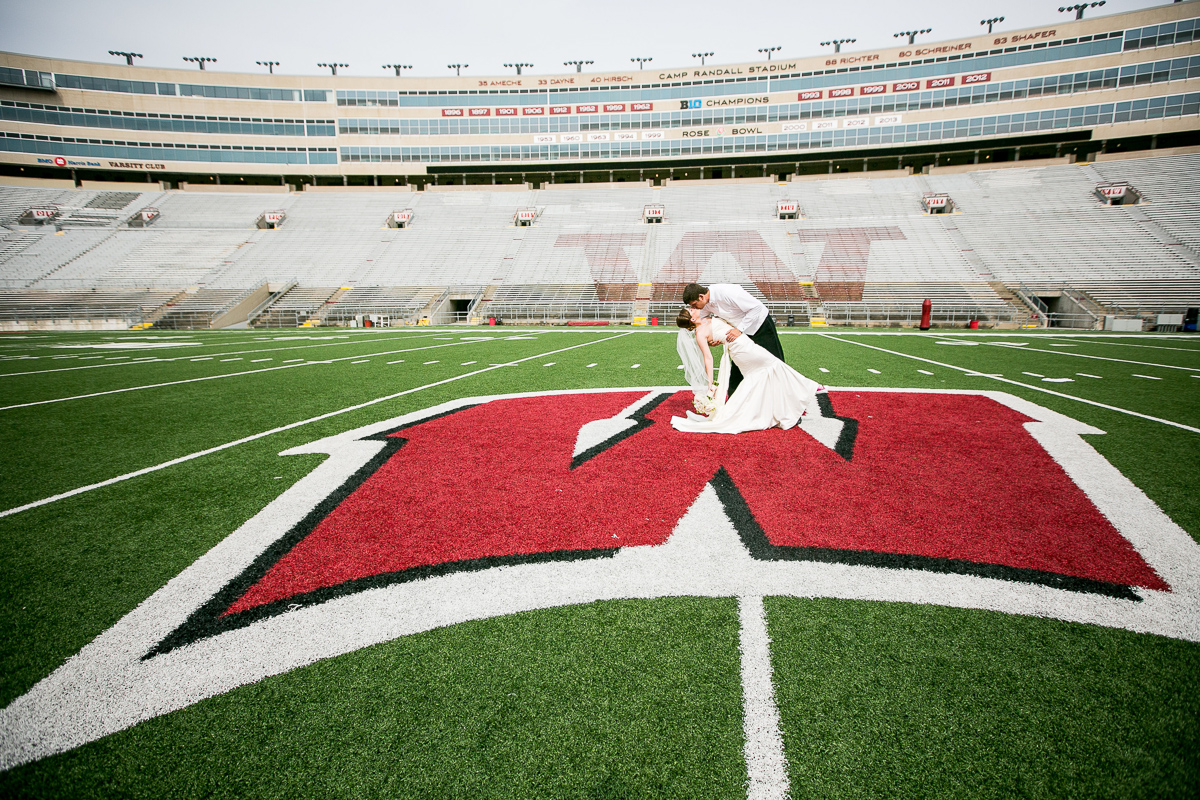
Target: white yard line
column 153, row 386
column 194, row 357
column 1103, row 358
column 288, row 427
column 766, row 764
column 1146, row 346
column 1019, row 383
column 358, row 360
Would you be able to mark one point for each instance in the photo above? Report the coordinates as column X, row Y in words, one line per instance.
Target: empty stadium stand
column 864, row 251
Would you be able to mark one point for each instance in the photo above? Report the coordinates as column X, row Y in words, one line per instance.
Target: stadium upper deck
column 1126, row 81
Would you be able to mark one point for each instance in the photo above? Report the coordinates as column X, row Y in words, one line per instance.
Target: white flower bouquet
column 705, row 405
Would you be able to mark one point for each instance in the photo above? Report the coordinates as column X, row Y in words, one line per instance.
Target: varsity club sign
column 489, row 506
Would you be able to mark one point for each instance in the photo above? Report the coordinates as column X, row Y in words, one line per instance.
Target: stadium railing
column 549, row 314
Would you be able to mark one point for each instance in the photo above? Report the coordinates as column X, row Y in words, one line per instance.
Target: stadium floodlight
column 837, row 44
column 397, row 67
column 199, row 60
column 702, row 56
column 578, row 65
column 1079, row 8
column 333, row 65
column 129, row 57
column 458, row 68
column 991, row 22
column 518, row 65
column 641, row 61
column 912, row 35
column 768, row 51
column 270, row 65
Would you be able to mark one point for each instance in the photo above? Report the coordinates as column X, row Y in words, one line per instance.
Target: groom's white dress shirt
column 736, row 306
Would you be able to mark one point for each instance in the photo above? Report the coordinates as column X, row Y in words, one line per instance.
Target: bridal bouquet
column 705, row 405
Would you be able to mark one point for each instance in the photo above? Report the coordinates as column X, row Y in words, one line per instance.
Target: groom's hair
column 684, row 319
column 692, row 292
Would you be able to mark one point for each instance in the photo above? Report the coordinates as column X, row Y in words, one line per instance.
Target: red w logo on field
column 941, row 482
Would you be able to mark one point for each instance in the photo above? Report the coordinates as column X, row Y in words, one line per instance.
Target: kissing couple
column 757, row 390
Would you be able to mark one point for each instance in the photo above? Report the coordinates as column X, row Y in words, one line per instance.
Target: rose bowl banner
column 489, row 506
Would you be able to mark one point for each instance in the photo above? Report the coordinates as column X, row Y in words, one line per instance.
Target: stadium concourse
column 862, row 249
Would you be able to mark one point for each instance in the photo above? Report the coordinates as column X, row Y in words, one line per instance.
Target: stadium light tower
column 333, row 65
column 397, row 67
column 518, row 65
column 270, row 65
column 1079, row 8
column 129, row 57
column 768, row 51
column 837, row 44
column 641, row 61
column 991, row 22
column 458, row 68
column 912, row 35
column 578, row 65
column 199, row 60
column 702, row 56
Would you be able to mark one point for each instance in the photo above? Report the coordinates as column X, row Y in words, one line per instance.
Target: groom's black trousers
column 766, row 337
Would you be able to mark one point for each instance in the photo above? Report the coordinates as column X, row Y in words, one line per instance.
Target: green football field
column 127, row 457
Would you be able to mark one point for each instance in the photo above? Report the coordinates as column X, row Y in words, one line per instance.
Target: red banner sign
column 874, row 88
column 906, row 86
column 506, row 112
column 847, row 91
column 939, row 83
column 978, row 77
column 452, row 112
column 560, row 109
column 480, row 112
column 642, row 107
column 533, row 111
column 610, row 108
column 815, row 94
column 588, row 109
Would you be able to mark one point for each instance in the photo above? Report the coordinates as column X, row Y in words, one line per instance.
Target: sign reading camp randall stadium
column 713, row 72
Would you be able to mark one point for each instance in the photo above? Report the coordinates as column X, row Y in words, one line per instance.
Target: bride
column 771, row 395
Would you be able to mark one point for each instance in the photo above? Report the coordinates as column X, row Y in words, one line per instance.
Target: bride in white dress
column 771, row 395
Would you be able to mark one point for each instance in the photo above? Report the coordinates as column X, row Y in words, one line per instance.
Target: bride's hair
column 684, row 319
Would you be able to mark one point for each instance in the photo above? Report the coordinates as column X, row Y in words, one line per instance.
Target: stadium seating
column 860, row 240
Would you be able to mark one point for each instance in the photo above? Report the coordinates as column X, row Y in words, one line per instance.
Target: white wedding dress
column 771, row 394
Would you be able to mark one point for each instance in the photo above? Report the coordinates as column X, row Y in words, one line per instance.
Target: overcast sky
column 489, row 33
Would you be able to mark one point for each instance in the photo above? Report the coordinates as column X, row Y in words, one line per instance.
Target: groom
column 740, row 309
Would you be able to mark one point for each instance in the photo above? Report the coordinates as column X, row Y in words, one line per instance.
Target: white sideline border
column 106, row 687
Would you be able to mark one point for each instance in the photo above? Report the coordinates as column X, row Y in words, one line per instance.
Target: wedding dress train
column 771, row 394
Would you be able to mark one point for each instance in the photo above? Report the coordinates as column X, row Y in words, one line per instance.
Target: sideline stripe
column 232, row 374
column 194, row 357
column 288, row 427
column 766, row 764
column 215, row 355
column 154, row 386
column 1019, row 383
column 1146, row 346
column 1098, row 358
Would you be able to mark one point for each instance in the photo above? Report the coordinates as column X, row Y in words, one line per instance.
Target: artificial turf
column 876, row 699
